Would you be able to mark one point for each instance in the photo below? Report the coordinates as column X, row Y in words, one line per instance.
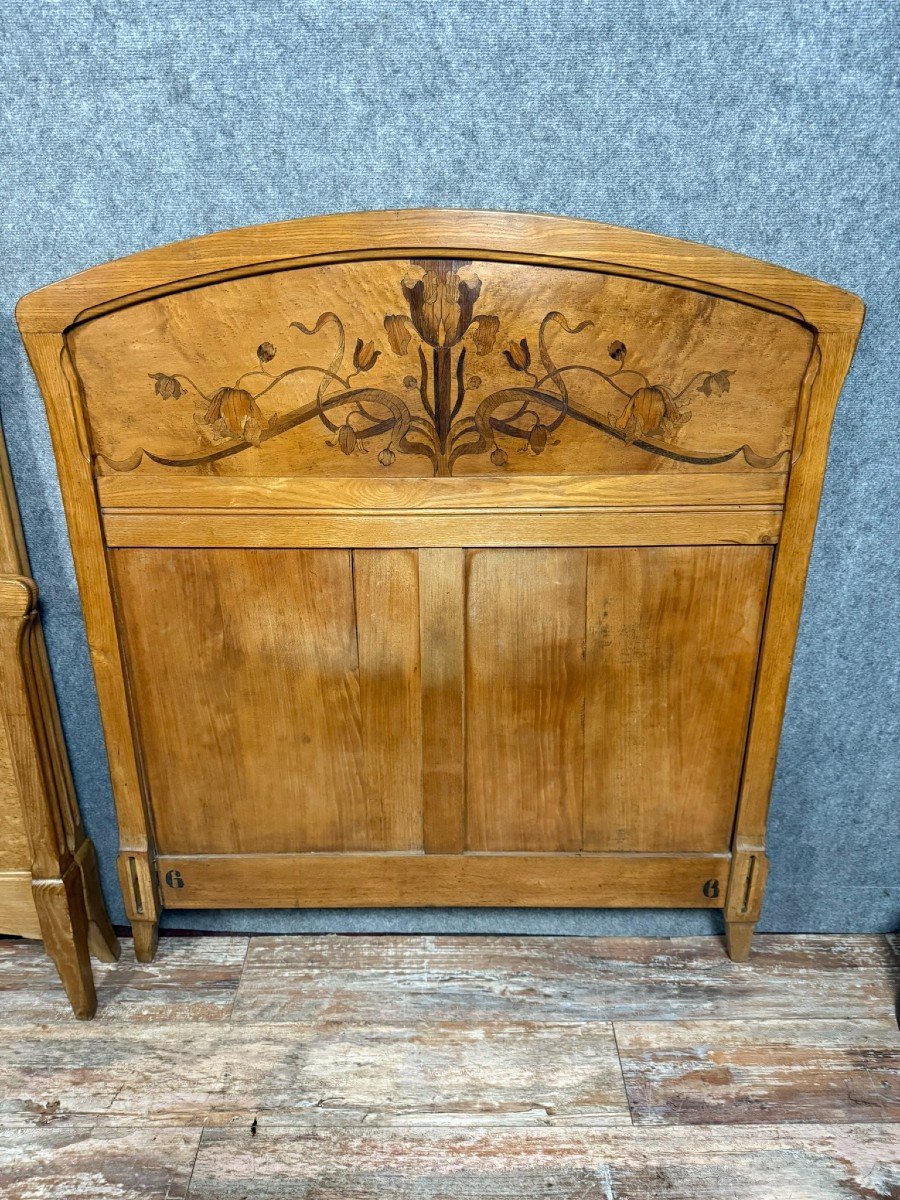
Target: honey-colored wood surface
column 525, row 699
column 599, row 527
column 422, row 398
column 49, row 887
column 672, row 643
column 369, row 880
column 507, row 236
column 460, row 1068
column 442, row 616
column 121, row 494
column 14, row 850
column 440, row 366
column 275, row 712
column 59, row 385
column 18, row 915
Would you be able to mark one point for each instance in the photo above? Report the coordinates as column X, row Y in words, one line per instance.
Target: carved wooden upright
column 49, row 887
column 441, row 558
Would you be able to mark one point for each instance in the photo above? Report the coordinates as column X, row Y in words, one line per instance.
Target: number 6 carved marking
column 710, row 888
column 174, row 880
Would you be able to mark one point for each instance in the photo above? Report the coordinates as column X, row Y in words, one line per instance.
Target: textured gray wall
column 764, row 128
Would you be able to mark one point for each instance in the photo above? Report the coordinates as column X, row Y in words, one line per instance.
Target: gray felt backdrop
column 766, row 128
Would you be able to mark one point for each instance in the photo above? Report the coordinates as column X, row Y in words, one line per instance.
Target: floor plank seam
column 622, row 1073
column 190, row 1178
column 234, row 998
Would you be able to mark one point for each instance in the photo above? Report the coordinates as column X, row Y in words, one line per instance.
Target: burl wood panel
column 433, row 366
column 276, row 696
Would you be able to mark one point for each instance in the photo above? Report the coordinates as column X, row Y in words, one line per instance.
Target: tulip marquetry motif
column 435, row 409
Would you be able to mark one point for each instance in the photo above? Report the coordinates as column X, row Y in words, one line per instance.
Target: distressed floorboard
column 734, row 1072
column 470, row 978
column 96, row 1162
column 189, row 979
column 30, row 987
column 456, row 1068
column 787, row 1163
column 524, row 1073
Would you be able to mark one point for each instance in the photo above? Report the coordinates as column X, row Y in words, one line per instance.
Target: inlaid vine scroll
column 461, row 365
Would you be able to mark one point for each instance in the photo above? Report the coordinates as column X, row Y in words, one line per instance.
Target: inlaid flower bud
column 347, row 439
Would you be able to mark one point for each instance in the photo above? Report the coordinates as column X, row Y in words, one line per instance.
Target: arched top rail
column 524, row 237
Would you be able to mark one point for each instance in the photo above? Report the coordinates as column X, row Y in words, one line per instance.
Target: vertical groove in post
column 442, row 648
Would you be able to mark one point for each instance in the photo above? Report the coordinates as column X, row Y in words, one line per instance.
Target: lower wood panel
column 672, row 638
column 422, row 880
column 276, row 696
column 508, row 700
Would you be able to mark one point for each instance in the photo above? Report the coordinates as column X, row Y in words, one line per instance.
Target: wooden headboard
column 440, row 557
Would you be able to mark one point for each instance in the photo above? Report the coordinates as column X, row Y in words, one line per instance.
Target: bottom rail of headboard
column 418, row 880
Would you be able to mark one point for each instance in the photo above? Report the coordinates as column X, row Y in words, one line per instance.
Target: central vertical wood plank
column 442, row 648
column 386, row 601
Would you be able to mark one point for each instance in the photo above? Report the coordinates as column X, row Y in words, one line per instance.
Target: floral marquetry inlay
column 445, row 361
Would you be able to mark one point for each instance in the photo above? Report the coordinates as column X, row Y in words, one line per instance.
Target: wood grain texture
column 386, row 613
column 17, row 912
column 689, row 1072
column 460, row 367
column 442, row 640
column 96, row 1159
column 462, row 233
column 832, row 1162
column 49, row 886
column 365, row 880
column 250, row 704
column 14, row 851
column 191, row 979
column 671, row 660
column 460, row 979
column 786, row 597
column 316, row 385
column 599, row 527
column 59, row 386
column 532, row 493
column 447, row 1068
column 525, row 694
column 518, row 1073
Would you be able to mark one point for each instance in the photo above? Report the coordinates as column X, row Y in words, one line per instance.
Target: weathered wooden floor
column 336, row 1068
